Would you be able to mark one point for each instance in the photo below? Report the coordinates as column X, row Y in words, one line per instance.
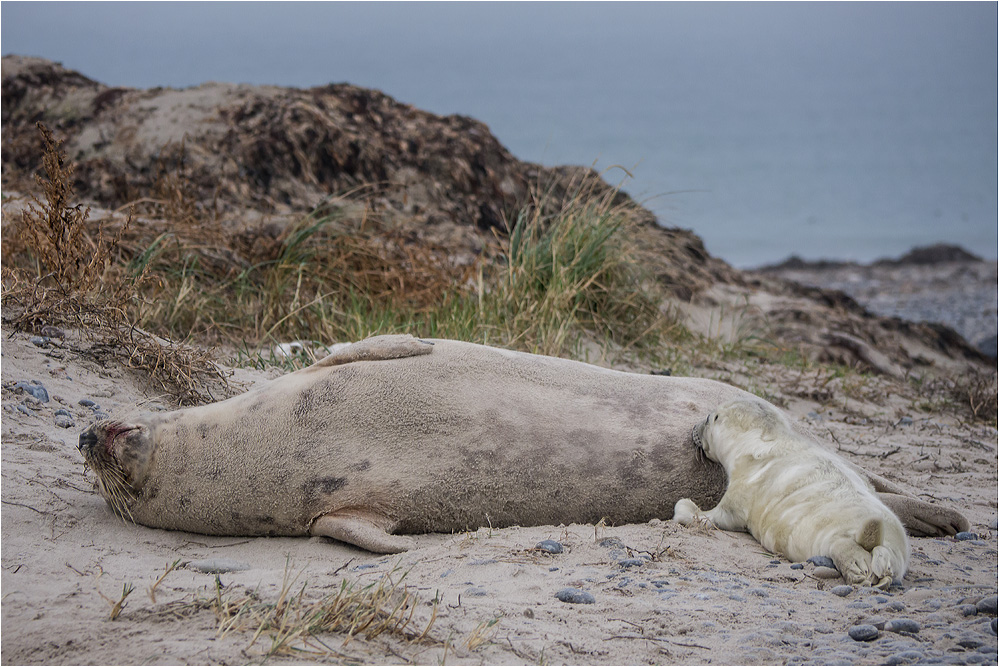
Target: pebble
column 895, row 605
column 965, row 535
column 484, row 561
column 988, row 605
column 841, row 591
column 905, row 658
column 610, row 543
column 970, row 642
column 905, row 421
column 549, row 546
column 64, row 421
column 902, row 625
column 826, row 573
column 631, row 562
column 864, row 633
column 575, row 596
column 822, row 561
column 39, row 341
column 87, row 403
column 217, row 565
column 475, row 592
column 101, row 415
column 21, row 407
column 34, row 388
column 797, row 566
column 967, row 609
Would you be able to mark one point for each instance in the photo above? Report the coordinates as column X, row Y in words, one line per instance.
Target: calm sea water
column 849, row 131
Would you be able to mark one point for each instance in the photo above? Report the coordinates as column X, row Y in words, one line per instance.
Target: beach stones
column 841, row 591
column 988, row 605
column 35, row 389
column 902, row 625
column 217, row 566
column 549, row 546
column 864, row 633
column 575, row 596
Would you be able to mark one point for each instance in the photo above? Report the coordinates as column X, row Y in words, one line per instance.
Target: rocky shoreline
column 942, row 283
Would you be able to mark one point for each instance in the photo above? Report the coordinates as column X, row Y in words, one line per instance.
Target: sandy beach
column 662, row 593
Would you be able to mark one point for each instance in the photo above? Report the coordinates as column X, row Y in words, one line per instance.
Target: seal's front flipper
column 922, row 519
column 360, row 532
column 378, row 348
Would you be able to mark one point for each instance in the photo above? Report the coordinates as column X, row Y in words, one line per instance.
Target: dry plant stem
column 170, row 567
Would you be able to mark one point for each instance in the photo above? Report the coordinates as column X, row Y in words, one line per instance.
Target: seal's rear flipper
column 922, row 519
column 360, row 532
column 870, row 535
column 378, row 348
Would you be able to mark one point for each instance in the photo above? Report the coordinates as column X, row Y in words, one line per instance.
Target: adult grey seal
column 394, row 435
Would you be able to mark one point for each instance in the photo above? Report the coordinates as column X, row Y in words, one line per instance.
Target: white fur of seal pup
column 795, row 497
column 394, row 435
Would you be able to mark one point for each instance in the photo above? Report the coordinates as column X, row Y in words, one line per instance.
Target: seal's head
column 119, row 454
column 743, row 426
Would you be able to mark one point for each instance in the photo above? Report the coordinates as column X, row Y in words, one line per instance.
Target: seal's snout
column 87, row 441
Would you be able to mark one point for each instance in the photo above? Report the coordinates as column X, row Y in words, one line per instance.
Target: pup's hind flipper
column 871, row 535
column 881, row 568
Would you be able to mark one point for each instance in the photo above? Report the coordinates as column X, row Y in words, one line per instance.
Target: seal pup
column 394, row 435
column 796, row 498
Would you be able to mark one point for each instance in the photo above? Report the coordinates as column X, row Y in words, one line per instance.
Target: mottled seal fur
column 395, row 435
column 795, row 497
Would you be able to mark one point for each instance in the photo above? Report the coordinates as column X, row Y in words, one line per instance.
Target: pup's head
column 119, row 454
column 743, row 426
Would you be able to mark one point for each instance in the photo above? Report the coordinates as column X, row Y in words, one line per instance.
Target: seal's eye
column 715, row 418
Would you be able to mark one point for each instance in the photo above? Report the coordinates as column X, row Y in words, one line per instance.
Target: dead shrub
column 64, row 269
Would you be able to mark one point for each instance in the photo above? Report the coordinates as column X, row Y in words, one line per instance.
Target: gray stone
column 64, row 421
column 822, row 561
column 841, row 591
column 902, row 625
column 970, row 642
column 965, row 535
column 988, row 605
column 864, row 633
column 33, row 388
column 87, row 403
column 967, row 609
column 825, row 573
column 631, row 562
column 217, row 565
column 905, row 421
column 549, row 546
column 895, row 605
column 797, row 566
column 21, row 407
column 475, row 592
column 905, row 658
column 39, row 341
column 575, row 596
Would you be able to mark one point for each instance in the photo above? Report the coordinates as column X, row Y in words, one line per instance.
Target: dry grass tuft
column 61, row 268
column 294, row 623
